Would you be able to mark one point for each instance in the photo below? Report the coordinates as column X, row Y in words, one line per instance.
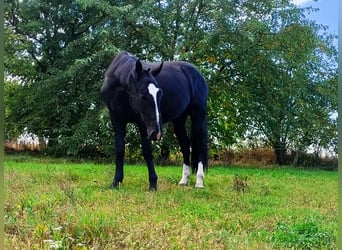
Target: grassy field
column 55, row 204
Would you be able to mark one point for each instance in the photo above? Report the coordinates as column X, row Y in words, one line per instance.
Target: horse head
column 145, row 95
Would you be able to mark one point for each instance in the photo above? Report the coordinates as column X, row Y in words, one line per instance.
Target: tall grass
column 61, row 205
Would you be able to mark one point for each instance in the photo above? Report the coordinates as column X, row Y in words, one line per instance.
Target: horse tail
column 194, row 153
column 197, row 110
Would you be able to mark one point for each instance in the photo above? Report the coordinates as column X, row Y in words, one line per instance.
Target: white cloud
column 300, row 2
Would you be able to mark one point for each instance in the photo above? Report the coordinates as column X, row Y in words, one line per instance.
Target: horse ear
column 156, row 71
column 138, row 68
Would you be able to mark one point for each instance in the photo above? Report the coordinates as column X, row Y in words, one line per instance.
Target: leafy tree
column 271, row 72
column 286, row 86
column 61, row 50
column 274, row 66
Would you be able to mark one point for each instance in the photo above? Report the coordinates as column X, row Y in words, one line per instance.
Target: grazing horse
column 150, row 94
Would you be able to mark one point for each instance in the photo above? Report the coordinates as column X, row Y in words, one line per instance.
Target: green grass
column 55, row 204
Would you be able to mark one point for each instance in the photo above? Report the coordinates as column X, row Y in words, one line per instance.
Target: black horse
column 150, row 94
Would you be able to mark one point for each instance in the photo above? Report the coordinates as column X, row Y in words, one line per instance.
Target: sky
column 327, row 14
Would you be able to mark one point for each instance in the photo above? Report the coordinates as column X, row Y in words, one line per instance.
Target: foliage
column 272, row 73
column 306, row 235
column 275, row 66
column 61, row 92
column 55, row 202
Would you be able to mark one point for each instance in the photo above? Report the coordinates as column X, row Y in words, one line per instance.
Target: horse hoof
column 115, row 185
column 152, row 189
column 199, row 186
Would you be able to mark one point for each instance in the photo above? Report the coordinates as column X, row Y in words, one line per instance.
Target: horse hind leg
column 184, row 142
column 200, row 176
column 199, row 147
column 197, row 162
column 185, row 175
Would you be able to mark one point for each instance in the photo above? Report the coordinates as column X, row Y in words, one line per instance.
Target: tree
column 60, row 46
column 274, row 66
column 285, row 87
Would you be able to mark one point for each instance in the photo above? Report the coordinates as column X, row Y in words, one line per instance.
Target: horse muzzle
column 154, row 135
column 158, row 136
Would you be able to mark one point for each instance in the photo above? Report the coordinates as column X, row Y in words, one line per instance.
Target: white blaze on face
column 153, row 90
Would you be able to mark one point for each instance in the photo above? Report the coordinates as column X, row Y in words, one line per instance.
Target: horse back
column 183, row 88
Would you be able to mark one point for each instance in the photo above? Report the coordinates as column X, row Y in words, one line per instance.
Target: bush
column 266, row 157
column 255, row 157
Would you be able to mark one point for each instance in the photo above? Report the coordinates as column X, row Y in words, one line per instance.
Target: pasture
column 57, row 204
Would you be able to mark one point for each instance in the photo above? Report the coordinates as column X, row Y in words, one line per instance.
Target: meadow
column 58, row 204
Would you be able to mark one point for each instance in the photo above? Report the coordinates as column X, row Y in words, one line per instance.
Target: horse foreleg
column 120, row 132
column 147, row 153
column 148, row 156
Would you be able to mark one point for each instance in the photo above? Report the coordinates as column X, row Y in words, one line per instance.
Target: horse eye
column 145, row 97
column 141, row 96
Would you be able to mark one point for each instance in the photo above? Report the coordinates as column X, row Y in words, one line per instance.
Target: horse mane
column 120, row 70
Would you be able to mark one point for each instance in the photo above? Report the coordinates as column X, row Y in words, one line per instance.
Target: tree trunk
column 279, row 150
column 295, row 160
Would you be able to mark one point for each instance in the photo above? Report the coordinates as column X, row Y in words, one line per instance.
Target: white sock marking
column 153, row 90
column 200, row 176
column 185, row 175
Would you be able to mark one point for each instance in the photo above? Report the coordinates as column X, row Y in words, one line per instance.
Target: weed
column 69, row 192
column 240, row 184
